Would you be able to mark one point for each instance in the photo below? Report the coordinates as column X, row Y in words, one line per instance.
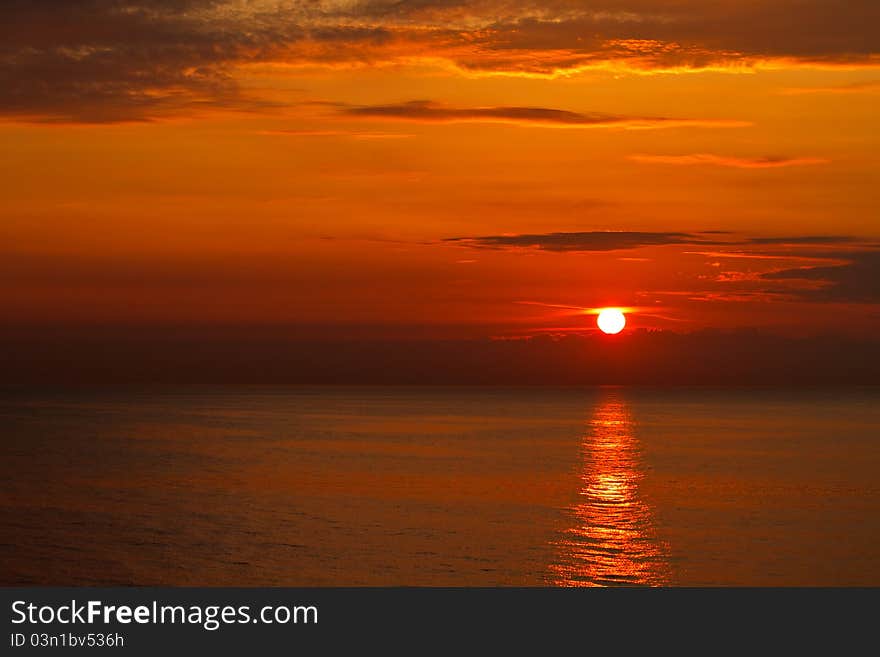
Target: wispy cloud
column 869, row 86
column 855, row 281
column 821, row 240
column 583, row 241
column 829, row 268
column 350, row 134
column 780, row 246
column 694, row 159
column 740, row 255
column 426, row 111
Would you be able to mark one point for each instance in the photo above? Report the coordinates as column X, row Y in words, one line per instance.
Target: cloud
column 671, row 34
column 620, row 240
column 857, row 281
column 105, row 61
column 869, row 86
column 426, row 111
column 727, row 160
column 108, row 60
column 351, row 134
column 826, row 240
column 831, row 268
column 93, row 61
column 582, row 242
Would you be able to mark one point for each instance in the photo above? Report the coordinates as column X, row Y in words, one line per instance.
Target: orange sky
column 451, row 165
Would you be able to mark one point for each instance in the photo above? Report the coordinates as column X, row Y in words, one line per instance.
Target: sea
column 439, row 486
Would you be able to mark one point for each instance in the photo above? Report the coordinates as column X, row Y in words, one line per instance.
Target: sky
column 439, row 169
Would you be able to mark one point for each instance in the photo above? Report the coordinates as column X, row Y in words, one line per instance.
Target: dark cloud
column 837, row 268
column 647, row 34
column 618, row 240
column 99, row 61
column 857, row 281
column 807, row 239
column 429, row 111
column 583, row 242
column 95, row 61
column 109, row 60
column 424, row 110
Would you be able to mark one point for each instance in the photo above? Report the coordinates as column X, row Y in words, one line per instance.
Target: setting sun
column 611, row 321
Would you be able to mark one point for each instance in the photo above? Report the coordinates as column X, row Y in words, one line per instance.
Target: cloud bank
column 115, row 60
column 836, row 269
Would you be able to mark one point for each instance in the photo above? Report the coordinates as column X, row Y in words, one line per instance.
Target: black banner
column 415, row 620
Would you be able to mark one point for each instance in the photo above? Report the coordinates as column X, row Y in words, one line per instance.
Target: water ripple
column 611, row 539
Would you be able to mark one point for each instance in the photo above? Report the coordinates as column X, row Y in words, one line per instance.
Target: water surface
column 439, row 486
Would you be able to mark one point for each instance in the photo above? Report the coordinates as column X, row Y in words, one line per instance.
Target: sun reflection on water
column 611, row 540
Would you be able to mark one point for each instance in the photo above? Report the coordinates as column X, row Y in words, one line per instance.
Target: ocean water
column 439, row 486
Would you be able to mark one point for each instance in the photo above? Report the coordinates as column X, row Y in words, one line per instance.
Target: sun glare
column 611, row 321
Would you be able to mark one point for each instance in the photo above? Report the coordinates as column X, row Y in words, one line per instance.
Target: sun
column 611, row 321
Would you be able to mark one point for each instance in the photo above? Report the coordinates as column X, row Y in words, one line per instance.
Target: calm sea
column 439, row 486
